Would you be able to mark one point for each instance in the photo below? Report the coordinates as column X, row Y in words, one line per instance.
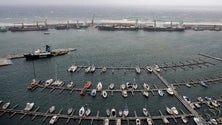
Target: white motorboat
column 113, row 112
column 48, row 82
column 93, row 69
column 51, row 109
column 87, row 70
column 146, row 86
column 53, row 119
column 107, row 112
column 188, row 85
column 6, row 105
column 111, row 86
column 81, row 111
column 197, row 121
column 145, row 112
column 106, row 121
column 124, row 93
column 120, row 113
column 214, row 103
column 129, row 85
column 169, row 111
column 87, row 112
column 72, row 68
column 203, row 84
column 192, row 105
column 157, row 68
column 93, row 93
column 149, row 69
column 160, row 92
column 118, row 121
column 208, row 98
column 165, row 120
column 174, row 110
column 69, row 111
column 138, row 122
column 99, row 86
column 57, row 83
column 138, row 70
column 149, row 121
column 184, row 119
column 104, row 94
column 170, row 91
column 186, row 99
column 104, row 69
column 200, row 99
column 123, row 86
column 213, row 121
column 29, row 106
column 134, row 86
column 197, row 105
column 126, row 111
column 145, row 93
column 70, row 85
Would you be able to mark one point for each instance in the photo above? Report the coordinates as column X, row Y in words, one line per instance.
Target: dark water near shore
column 110, row 49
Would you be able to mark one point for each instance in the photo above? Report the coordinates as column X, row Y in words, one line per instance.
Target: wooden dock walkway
column 211, row 57
column 180, row 98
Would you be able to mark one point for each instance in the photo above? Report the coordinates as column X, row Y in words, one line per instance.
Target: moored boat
column 156, row 67
column 124, row 93
column 129, row 85
column 134, row 86
column 29, row 106
column 48, row 82
column 87, row 112
column 145, row 93
column 81, row 111
column 200, row 99
column 72, row 68
column 197, row 121
column 188, row 85
column 203, row 84
column 170, row 91
column 146, row 86
column 138, row 70
column 69, row 111
column 70, row 85
column 145, row 112
column 174, row 110
column 87, row 85
column 57, row 83
column 104, row 69
column 99, row 86
column 106, row 121
column 113, row 112
column 87, row 70
column 93, row 69
column 6, row 105
column 160, row 92
column 149, row 69
column 118, row 121
column 187, row 99
column 93, row 93
column 104, row 94
column 53, row 119
column 125, row 111
column 138, row 121
column 51, row 109
column 184, row 119
column 165, row 120
column 149, row 121
column 107, row 112
column 123, row 86
column 169, row 111
column 83, row 92
column 33, row 84
column 111, row 86
column 120, row 113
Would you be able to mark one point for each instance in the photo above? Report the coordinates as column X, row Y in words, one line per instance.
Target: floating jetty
column 5, row 62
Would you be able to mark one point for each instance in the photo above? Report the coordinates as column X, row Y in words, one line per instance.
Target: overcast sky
column 114, row 2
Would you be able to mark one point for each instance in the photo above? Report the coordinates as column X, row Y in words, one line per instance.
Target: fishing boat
column 81, row 111
column 145, row 112
column 113, row 112
column 88, row 112
column 169, row 111
column 39, row 54
column 106, row 121
column 146, row 86
column 111, row 86
column 118, row 121
column 87, row 85
column 51, row 109
column 138, row 122
column 93, row 93
column 145, row 93
column 149, row 121
column 48, row 82
column 184, row 119
column 99, row 86
column 120, row 113
column 174, row 110
column 83, row 92
column 6, row 105
column 33, row 84
column 104, row 69
column 157, row 68
column 134, row 86
column 69, row 111
column 138, row 70
column 197, row 121
column 107, row 112
column 149, row 69
column 87, row 70
column 53, row 119
column 104, row 94
column 93, row 69
column 203, row 84
column 70, row 85
column 57, row 83
column 124, row 93
column 125, row 111
column 160, row 92
column 187, row 99
column 170, row 91
column 72, row 68
column 200, row 99
column 123, row 86
column 29, row 106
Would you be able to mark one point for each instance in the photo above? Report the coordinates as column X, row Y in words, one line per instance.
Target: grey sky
column 114, row 2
